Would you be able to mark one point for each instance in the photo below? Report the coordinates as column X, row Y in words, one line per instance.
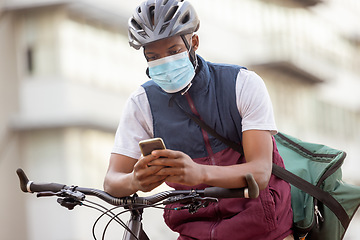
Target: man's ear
column 195, row 42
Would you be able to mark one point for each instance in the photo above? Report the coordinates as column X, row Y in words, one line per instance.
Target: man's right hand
column 144, row 175
column 126, row 176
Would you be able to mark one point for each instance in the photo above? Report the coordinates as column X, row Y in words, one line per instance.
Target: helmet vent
column 139, row 10
column 152, row 13
column 171, row 13
column 165, row 2
column 163, row 28
column 143, row 34
column 185, row 19
column 136, row 25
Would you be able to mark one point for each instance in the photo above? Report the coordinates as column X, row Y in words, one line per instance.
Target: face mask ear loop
column 193, row 60
column 192, row 54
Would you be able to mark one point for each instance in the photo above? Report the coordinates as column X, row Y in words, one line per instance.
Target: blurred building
column 307, row 52
column 66, row 70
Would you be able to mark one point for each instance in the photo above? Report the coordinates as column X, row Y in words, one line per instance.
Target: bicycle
column 191, row 200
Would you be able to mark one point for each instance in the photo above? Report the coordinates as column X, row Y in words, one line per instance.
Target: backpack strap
column 315, row 191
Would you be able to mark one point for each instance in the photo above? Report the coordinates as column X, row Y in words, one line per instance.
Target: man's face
column 167, row 47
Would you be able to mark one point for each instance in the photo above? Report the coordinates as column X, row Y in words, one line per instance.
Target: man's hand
column 145, row 177
column 177, row 167
column 126, row 176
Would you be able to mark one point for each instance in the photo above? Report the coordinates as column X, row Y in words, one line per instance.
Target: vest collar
column 201, row 81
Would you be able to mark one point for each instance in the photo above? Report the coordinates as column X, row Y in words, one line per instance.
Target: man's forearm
column 119, row 184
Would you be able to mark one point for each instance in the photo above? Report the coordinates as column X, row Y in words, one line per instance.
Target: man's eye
column 173, row 52
column 152, row 58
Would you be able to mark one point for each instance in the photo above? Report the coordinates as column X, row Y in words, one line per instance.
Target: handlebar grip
column 252, row 186
column 23, row 179
column 29, row 186
column 218, row 192
column 252, row 191
column 46, row 187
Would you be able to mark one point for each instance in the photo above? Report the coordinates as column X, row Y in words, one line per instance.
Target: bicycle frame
column 135, row 226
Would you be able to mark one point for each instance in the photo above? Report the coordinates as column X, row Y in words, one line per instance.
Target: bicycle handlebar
column 252, row 191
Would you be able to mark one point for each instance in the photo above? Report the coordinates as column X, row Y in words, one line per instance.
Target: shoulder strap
column 316, row 192
column 323, row 196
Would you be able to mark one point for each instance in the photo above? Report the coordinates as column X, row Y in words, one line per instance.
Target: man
column 230, row 99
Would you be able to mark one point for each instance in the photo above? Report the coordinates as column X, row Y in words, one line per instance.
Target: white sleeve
column 253, row 102
column 135, row 125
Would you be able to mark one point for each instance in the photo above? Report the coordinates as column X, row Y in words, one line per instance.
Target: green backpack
column 323, row 205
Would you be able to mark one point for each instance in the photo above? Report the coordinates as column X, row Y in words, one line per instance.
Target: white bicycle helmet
column 154, row 20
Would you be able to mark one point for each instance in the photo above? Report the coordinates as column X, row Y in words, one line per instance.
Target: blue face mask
column 172, row 73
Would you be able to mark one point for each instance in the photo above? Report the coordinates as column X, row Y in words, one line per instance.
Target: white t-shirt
column 252, row 99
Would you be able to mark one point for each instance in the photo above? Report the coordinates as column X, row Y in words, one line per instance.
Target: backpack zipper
column 318, row 215
column 329, row 172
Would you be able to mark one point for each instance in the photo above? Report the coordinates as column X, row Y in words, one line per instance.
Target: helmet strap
column 192, row 54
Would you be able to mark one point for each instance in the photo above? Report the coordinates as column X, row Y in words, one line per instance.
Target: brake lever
column 186, row 199
column 198, row 202
column 46, row 194
column 69, row 202
column 192, row 202
column 65, row 193
column 68, row 198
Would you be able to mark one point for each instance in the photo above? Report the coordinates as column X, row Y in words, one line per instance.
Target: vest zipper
column 204, row 133
column 211, row 156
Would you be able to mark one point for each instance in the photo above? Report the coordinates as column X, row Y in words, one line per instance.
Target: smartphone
column 147, row 146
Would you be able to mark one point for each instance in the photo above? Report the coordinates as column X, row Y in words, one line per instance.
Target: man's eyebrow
column 173, row 46
column 149, row 53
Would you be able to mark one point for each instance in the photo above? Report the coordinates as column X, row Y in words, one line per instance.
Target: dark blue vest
column 214, row 96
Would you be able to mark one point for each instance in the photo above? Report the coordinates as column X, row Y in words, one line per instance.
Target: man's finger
column 170, row 171
column 167, row 162
column 166, row 153
column 145, row 160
